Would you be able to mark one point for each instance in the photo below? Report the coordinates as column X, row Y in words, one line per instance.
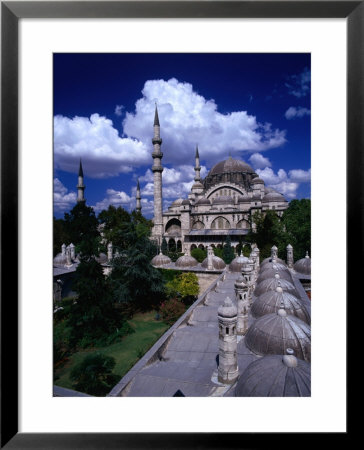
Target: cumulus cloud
column 118, row 110
column 283, row 183
column 62, row 199
column 299, row 84
column 258, row 161
column 104, row 153
column 293, row 112
column 115, row 198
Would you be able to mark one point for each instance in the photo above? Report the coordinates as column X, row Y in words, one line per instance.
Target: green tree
column 218, row 252
column 60, row 235
column 93, row 375
column 164, row 246
column 269, row 232
column 81, row 226
column 135, row 282
column 228, row 252
column 297, row 222
column 199, row 254
column 184, row 286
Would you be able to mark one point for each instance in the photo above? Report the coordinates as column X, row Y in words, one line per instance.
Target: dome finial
column 289, row 359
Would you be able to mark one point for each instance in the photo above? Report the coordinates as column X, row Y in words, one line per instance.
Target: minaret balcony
column 157, row 140
column 157, row 169
column 157, row 155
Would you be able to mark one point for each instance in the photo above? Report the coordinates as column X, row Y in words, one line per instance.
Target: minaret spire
column 80, row 186
column 157, row 170
column 138, row 198
column 197, row 165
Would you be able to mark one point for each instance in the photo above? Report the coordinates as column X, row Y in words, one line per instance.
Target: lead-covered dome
column 273, row 197
column 217, row 262
column 271, row 301
column 186, row 261
column 275, row 376
column 60, row 259
column 271, row 284
column 230, row 165
column 161, row 260
column 274, row 333
column 303, row 265
column 237, row 263
column 270, row 273
column 203, row 201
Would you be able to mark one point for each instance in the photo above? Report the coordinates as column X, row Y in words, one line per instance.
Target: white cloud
column 283, row 183
column 115, row 198
column 258, row 161
column 293, row 112
column 62, row 199
column 300, row 176
column 119, row 110
column 299, row 84
column 104, row 153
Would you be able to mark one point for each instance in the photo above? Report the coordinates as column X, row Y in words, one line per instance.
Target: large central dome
column 230, row 171
column 230, row 165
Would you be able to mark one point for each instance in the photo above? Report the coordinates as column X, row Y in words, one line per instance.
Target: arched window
column 220, row 223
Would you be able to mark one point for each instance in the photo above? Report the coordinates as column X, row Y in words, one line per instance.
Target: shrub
column 218, row 252
column 93, row 375
column 199, row 254
column 185, row 286
column 171, row 310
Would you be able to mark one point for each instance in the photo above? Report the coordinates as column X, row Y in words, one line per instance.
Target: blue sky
column 255, row 107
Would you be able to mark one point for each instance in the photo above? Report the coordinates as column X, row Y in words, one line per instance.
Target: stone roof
column 223, row 200
column 237, row 263
column 275, row 376
column 230, row 165
column 186, row 261
column 203, row 201
column 217, row 262
column 270, row 302
column 270, row 273
column 161, row 260
column 274, row 333
column 303, row 265
column 271, row 284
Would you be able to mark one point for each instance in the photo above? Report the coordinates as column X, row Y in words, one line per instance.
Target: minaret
column 157, row 170
column 197, row 166
column 138, row 198
column 227, row 316
column 80, row 186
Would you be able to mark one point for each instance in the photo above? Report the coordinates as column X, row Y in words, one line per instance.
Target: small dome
column 240, row 283
column 256, row 196
column 186, row 261
column 217, row 262
column 274, row 333
column 270, row 260
column 60, row 259
column 186, row 202
column 177, row 202
column 275, row 376
column 303, row 265
column 161, row 260
column 102, row 258
column 257, row 180
column 197, row 185
column 223, row 200
column 203, row 201
column 227, row 309
column 273, row 197
column 270, row 302
column 271, row 284
column 237, row 263
column 284, row 274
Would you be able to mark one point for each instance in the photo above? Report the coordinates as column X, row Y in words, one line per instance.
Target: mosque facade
column 222, row 204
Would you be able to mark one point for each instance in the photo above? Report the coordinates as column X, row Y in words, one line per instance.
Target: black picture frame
column 11, row 12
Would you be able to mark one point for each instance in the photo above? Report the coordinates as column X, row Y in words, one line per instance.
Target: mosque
column 220, row 205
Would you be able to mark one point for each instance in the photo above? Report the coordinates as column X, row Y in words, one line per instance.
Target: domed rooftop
column 237, row 263
column 257, row 180
column 274, row 333
column 217, row 262
column 303, row 265
column 203, row 201
column 270, row 260
column 186, row 261
column 185, row 202
column 271, row 284
column 271, row 301
column 275, row 376
column 197, row 185
column 227, row 309
column 177, row 202
column 273, row 197
column 160, row 260
column 102, row 258
column 230, row 165
column 223, row 200
column 60, row 259
column 284, row 274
